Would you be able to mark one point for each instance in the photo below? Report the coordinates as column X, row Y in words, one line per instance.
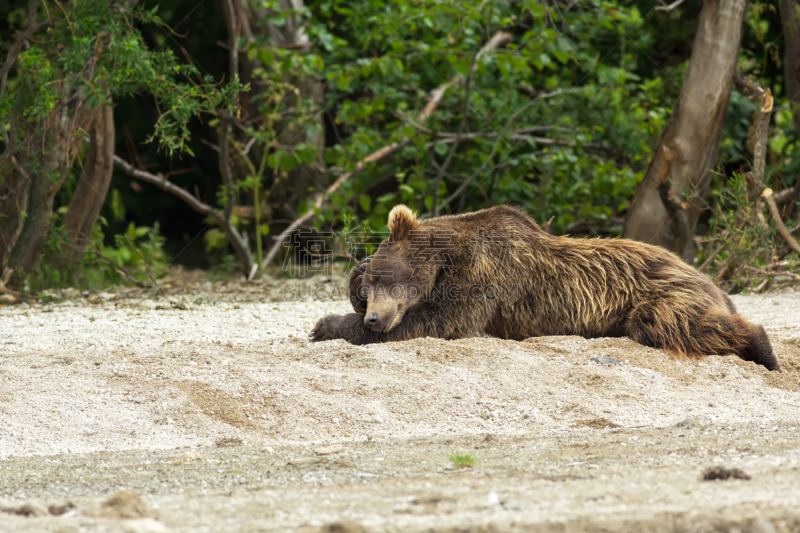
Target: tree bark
column 44, row 185
column 693, row 133
column 15, row 188
column 791, row 57
column 90, row 194
column 791, row 74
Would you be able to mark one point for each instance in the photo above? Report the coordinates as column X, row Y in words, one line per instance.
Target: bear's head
column 399, row 275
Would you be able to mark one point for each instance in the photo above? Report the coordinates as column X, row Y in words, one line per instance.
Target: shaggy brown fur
column 496, row 272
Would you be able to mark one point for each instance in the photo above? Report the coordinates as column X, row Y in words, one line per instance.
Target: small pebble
column 606, row 360
column 329, row 450
column 150, row 304
column 304, row 461
column 146, row 525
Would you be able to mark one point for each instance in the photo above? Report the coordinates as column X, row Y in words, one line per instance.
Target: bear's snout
column 372, row 321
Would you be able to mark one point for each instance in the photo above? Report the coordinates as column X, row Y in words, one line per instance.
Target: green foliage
column 139, row 250
column 224, row 268
column 462, row 460
column 215, row 239
column 562, row 121
column 136, row 253
column 743, row 248
column 93, row 52
column 599, row 119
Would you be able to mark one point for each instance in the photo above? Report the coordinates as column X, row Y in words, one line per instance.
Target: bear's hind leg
column 757, row 347
column 712, row 332
column 718, row 332
column 655, row 325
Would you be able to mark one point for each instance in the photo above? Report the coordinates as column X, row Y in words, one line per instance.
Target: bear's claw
column 322, row 331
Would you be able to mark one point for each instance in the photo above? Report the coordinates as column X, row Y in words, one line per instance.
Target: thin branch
column 793, row 198
column 464, row 118
column 11, row 58
column 360, row 166
column 13, row 52
column 779, row 225
column 501, row 38
column 160, row 181
column 785, row 195
column 233, row 51
column 116, row 267
column 759, row 155
column 234, row 237
column 511, row 120
column 712, row 256
column 670, row 7
column 146, row 266
column 519, row 135
column 225, row 163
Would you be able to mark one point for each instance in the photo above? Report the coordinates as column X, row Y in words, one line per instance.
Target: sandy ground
column 216, row 414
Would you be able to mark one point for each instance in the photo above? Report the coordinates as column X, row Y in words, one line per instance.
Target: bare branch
column 759, row 155
column 779, row 225
column 464, row 118
column 670, row 7
column 234, row 237
column 233, row 51
column 783, row 196
column 375, row 156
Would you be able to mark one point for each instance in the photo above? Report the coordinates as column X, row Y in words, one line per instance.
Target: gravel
column 217, row 374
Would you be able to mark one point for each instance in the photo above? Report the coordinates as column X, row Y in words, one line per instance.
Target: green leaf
column 441, row 148
column 266, row 57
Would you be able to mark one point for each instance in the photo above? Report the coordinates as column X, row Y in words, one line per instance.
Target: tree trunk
column 692, row 135
column 791, row 57
column 14, row 194
column 44, row 185
column 791, row 73
column 90, row 194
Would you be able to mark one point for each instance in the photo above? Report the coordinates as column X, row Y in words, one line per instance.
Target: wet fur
column 565, row 286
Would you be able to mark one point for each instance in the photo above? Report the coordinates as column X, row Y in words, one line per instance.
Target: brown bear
column 496, row 272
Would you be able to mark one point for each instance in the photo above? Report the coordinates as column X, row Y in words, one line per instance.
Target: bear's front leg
column 348, row 327
column 449, row 322
column 357, row 299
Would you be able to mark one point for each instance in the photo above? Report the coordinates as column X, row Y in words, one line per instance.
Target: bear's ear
column 402, row 222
